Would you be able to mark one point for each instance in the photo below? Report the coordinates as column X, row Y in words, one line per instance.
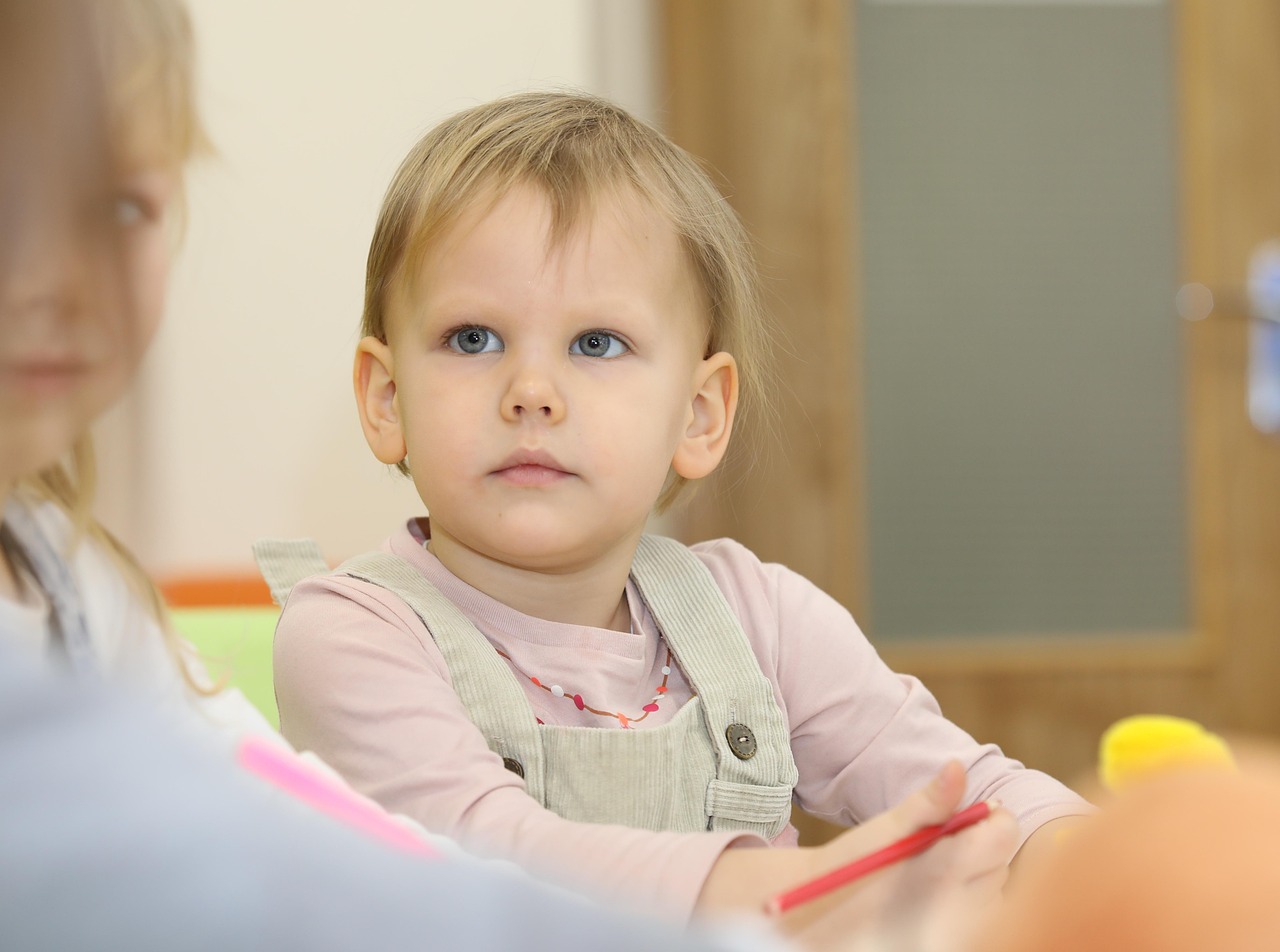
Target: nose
column 48, row 273
column 533, row 394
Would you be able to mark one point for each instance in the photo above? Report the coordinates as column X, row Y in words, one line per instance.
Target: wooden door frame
column 760, row 90
column 763, row 92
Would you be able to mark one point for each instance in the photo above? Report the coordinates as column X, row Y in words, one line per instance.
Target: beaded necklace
column 625, row 721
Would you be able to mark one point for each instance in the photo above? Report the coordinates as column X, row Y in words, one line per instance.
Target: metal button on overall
column 514, row 766
column 741, row 741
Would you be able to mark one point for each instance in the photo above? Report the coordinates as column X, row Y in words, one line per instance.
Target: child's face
column 542, row 393
column 77, row 310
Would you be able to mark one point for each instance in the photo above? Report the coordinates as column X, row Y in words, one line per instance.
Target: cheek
column 438, row 417
column 149, row 281
column 136, row 319
column 646, row 434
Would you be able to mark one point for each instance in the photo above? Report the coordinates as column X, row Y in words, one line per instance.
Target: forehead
column 571, row 212
column 613, row 238
column 146, row 133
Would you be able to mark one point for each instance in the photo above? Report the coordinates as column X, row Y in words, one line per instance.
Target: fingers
column 932, row 803
column 937, row 901
column 942, row 898
column 985, row 848
column 937, row 800
column 932, row 900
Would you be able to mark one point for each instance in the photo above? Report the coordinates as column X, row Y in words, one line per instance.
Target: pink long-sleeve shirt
column 360, row 681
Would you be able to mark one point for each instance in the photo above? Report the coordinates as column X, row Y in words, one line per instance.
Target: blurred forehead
column 143, row 140
column 54, row 145
column 88, row 87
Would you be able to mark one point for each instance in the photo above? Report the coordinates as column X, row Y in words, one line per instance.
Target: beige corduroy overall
column 722, row 763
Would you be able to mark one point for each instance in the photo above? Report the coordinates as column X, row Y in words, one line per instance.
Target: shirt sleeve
column 360, row 682
column 863, row 736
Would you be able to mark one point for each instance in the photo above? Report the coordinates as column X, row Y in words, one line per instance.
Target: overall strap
column 24, row 540
column 286, row 562
column 755, row 771
column 482, row 680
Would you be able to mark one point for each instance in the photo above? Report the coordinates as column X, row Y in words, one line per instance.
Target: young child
column 90, row 171
column 561, row 313
column 96, row 122
column 83, row 273
column 93, row 162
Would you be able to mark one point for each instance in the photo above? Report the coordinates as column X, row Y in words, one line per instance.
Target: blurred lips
column 531, row 468
column 39, row 376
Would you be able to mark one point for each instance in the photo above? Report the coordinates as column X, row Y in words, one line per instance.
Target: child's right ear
column 375, row 385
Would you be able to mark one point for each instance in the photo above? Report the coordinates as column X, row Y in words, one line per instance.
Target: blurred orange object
column 215, row 590
column 1185, row 862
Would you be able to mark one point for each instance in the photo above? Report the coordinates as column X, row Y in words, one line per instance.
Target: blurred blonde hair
column 144, row 60
column 576, row 149
column 149, row 69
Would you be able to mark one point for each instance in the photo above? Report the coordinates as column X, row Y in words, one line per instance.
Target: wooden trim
column 1229, row 88
column 1087, row 654
column 760, row 91
column 1204, row 411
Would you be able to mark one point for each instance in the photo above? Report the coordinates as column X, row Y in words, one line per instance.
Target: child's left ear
column 715, row 400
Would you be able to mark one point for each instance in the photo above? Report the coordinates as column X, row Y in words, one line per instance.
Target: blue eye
column 474, row 340
column 598, row 344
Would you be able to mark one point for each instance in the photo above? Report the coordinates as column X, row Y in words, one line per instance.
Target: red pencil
column 910, row 845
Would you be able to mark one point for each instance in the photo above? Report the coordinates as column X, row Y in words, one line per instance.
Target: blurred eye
column 598, row 344
column 474, row 340
column 130, row 210
column 141, row 196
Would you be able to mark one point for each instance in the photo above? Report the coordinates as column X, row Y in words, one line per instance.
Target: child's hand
column 932, row 902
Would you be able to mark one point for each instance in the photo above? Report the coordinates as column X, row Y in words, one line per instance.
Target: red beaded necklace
column 625, row 721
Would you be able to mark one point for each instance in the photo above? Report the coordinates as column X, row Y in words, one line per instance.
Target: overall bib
column 722, row 763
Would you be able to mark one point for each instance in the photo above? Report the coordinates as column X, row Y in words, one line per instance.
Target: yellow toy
column 1139, row 747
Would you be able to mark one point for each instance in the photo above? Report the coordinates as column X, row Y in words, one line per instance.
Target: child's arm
column 1041, row 844
column 370, row 698
column 863, row 736
column 360, row 682
column 938, row 899
column 986, row 856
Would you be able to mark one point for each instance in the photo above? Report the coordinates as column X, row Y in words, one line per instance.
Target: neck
column 591, row 593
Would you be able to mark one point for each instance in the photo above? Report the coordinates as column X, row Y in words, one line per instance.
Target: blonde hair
column 144, row 59
column 576, row 148
column 148, row 56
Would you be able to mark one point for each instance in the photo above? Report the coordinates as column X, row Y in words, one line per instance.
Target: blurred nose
column 46, row 277
column 533, row 394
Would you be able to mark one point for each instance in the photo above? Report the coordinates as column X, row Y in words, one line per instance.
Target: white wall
column 244, row 425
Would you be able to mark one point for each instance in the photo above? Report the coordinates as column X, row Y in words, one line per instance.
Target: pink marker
column 285, row 770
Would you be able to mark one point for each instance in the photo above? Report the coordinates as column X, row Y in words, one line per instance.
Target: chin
column 534, row 551
column 33, row 449
column 542, row 548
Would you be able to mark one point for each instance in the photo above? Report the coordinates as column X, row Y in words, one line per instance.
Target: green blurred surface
column 235, row 643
